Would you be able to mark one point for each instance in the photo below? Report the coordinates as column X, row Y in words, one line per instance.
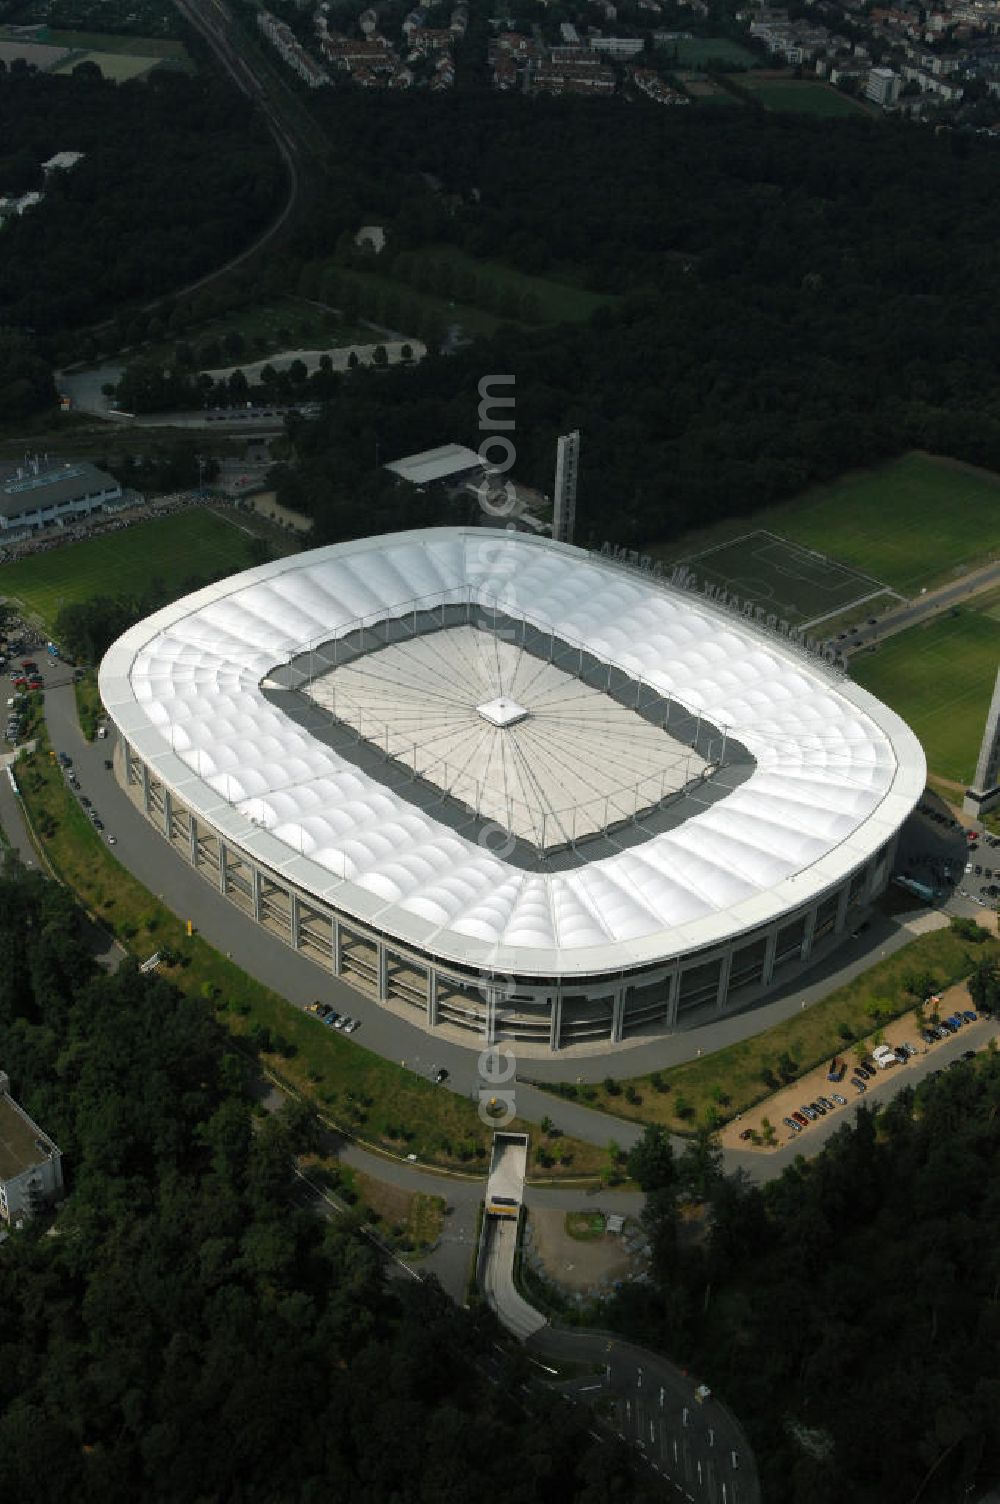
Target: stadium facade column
column 725, row 972
column 193, row 839
column 128, row 762
column 842, row 898
column 770, row 951
column 256, row 895
column 223, row 876
column 492, row 997
column 383, row 973
column 432, row 997
column 337, row 947
column 673, row 996
column 618, row 1013
column 555, row 1020
column 168, row 813
column 805, row 949
column 145, row 789
column 294, row 919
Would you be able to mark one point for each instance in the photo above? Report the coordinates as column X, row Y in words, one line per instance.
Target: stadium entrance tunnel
column 558, row 782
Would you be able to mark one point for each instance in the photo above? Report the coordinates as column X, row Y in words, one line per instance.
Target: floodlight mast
column 564, row 491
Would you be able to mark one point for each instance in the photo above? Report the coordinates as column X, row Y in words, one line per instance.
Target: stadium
column 510, row 788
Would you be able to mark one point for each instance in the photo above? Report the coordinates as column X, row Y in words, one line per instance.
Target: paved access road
column 699, row 1449
column 921, row 608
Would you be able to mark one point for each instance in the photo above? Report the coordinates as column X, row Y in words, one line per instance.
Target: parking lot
column 815, row 1091
column 959, row 861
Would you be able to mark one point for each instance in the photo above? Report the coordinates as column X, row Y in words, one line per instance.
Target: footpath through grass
column 713, row 1089
column 373, row 1099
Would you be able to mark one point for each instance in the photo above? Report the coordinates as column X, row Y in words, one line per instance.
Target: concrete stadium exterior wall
column 541, row 1013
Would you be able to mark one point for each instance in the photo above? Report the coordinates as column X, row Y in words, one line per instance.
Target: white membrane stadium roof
column 836, row 771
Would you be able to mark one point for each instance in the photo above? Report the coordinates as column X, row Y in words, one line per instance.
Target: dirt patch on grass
column 586, row 1266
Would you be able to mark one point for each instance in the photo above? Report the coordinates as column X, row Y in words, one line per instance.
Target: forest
column 791, row 299
column 848, row 1310
column 178, row 1329
column 177, row 174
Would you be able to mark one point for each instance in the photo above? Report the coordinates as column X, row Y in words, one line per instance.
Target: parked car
column 969, row 1016
column 801, row 1119
column 858, row 1084
column 439, row 1074
column 840, row 1101
column 351, row 1025
column 929, row 1036
column 112, row 840
column 792, row 1124
column 809, row 1112
column 85, row 801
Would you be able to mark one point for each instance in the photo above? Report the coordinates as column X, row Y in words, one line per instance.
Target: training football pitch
column 916, row 522
column 798, row 584
column 170, row 549
column 940, row 678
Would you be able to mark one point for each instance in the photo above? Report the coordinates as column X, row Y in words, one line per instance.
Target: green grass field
column 915, row 522
column 939, row 678
column 105, row 41
column 170, row 549
column 562, row 302
column 794, row 582
column 118, row 66
column 697, row 52
column 797, row 97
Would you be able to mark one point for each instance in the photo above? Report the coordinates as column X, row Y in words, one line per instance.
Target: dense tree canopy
column 178, row 173
column 792, row 298
column 848, row 1310
column 187, row 1334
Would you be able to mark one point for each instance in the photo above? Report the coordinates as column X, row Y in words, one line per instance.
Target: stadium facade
column 511, row 787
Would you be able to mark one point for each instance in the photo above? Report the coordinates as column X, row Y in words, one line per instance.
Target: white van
column 884, row 1057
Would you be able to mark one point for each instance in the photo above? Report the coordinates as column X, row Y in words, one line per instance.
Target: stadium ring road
column 510, row 789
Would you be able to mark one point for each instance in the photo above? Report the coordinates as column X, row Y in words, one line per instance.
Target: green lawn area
column 446, row 311
column 382, row 1103
column 171, row 549
column 939, row 677
column 798, row 97
column 562, row 302
column 917, row 521
column 118, row 66
column 585, row 1227
column 696, row 52
column 719, row 1085
column 106, row 41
